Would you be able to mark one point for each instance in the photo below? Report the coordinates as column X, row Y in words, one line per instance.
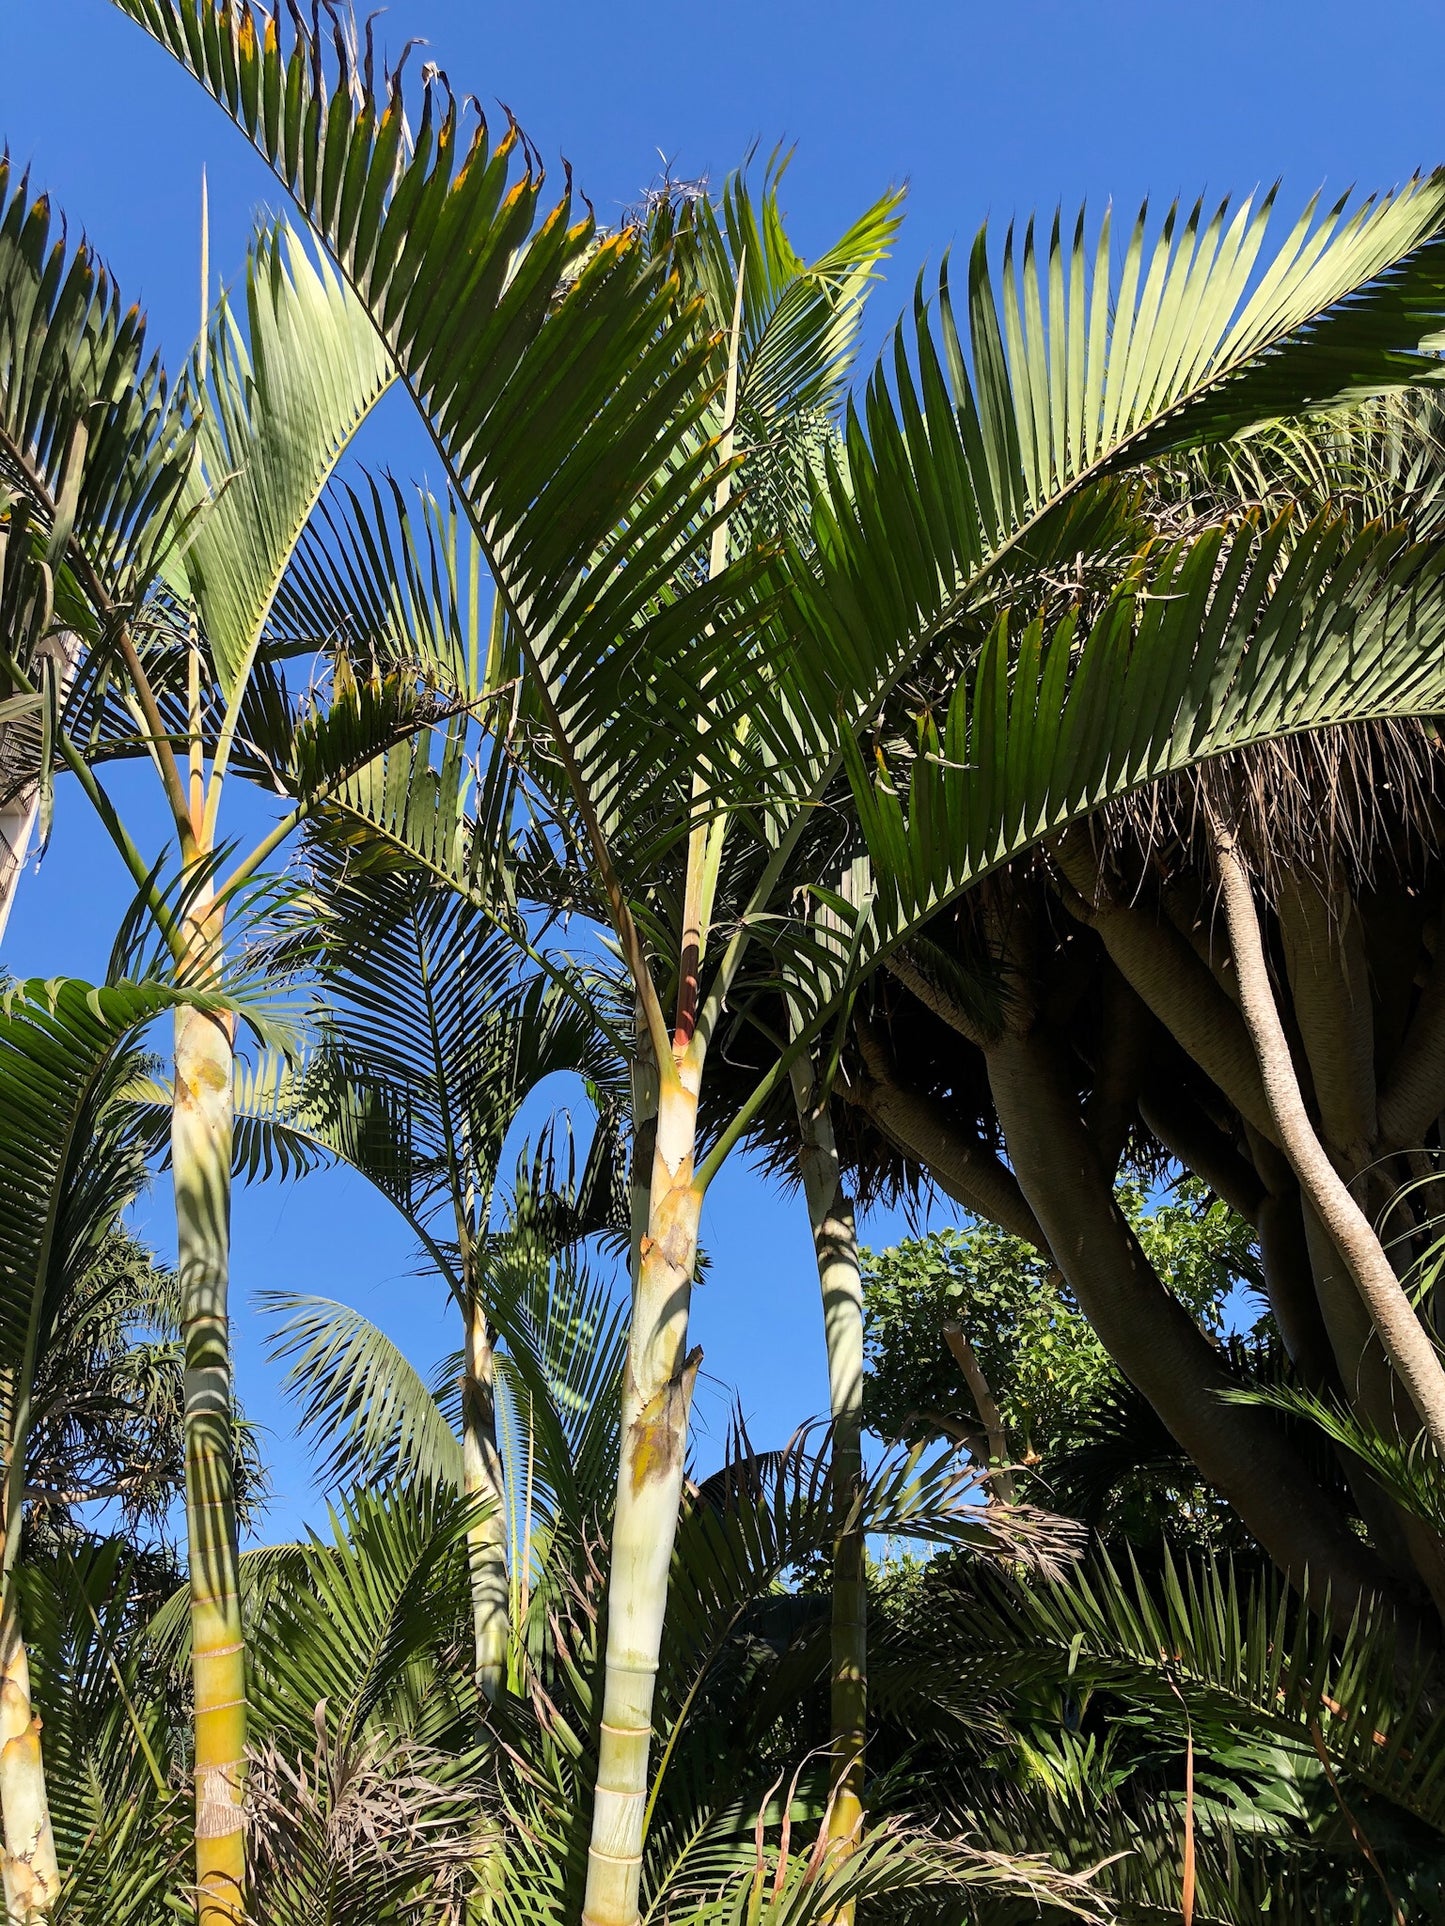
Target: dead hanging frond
column 778, row 1507
column 800, row 1882
column 1363, row 805
column 359, row 1830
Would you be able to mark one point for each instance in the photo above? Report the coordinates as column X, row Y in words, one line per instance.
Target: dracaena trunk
column 835, row 1243
column 32, row 1874
column 656, row 1396
column 202, row 1123
column 487, row 1535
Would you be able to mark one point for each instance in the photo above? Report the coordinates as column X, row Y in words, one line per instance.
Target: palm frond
column 281, row 410
column 1228, row 642
column 367, row 1408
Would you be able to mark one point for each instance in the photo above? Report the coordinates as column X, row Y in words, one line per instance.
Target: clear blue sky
column 984, row 110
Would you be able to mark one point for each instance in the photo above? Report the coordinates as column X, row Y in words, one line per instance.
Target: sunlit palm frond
column 366, row 1407
column 88, row 431
column 360, row 1628
column 284, row 401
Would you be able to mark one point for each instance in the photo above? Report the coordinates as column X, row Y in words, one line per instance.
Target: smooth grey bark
column 1240, row 1450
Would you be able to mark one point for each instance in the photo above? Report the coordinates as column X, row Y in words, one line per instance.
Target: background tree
column 973, row 1314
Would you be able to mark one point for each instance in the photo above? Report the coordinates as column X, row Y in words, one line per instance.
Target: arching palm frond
column 365, row 1405
column 89, row 434
column 581, row 530
column 1064, row 374
column 360, row 1634
column 565, row 1334
column 799, row 324
column 1246, row 1659
column 285, row 401
column 1229, row 641
column 798, row 1886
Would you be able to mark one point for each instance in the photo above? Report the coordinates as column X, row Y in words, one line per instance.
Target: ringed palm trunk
column 31, row 1871
column 32, row 1874
column 487, row 1535
column 835, row 1243
column 202, row 1122
column 657, row 1392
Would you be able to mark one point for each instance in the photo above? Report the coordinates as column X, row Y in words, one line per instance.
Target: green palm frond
column 565, row 1335
column 1226, row 642
column 88, row 432
column 1244, row 1657
column 1411, row 1473
column 552, row 365
column 283, row 404
column 1065, row 374
column 359, row 1629
column 367, row 1408
column 67, row 1053
column 799, row 324
column 107, row 1735
column 801, row 1885
column 393, row 579
column 423, row 1002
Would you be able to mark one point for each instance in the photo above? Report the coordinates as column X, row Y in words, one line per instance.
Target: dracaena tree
column 1090, row 1000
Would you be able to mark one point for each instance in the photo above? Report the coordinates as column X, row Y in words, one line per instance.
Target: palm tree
column 72, row 1162
column 562, row 1339
column 954, row 478
column 276, row 420
column 428, row 1047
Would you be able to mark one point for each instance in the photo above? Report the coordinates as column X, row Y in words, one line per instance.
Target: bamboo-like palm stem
column 487, row 1533
column 835, row 1243
column 31, row 1870
column 32, row 1873
column 202, row 1122
column 657, row 1392
column 1407, row 1344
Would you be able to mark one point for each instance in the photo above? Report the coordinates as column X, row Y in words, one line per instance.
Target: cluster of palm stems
column 745, row 673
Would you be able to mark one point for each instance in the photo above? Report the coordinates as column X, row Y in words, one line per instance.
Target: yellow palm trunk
column 487, row 1537
column 201, row 1130
column 656, row 1397
column 835, row 1243
column 32, row 1876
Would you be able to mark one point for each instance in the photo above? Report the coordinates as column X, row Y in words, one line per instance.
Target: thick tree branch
column 1240, row 1450
column 1329, row 986
column 900, row 965
column 1195, row 1141
column 958, row 1161
column 1414, row 1090
column 1166, row 972
column 1409, row 1347
column 1120, row 1065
